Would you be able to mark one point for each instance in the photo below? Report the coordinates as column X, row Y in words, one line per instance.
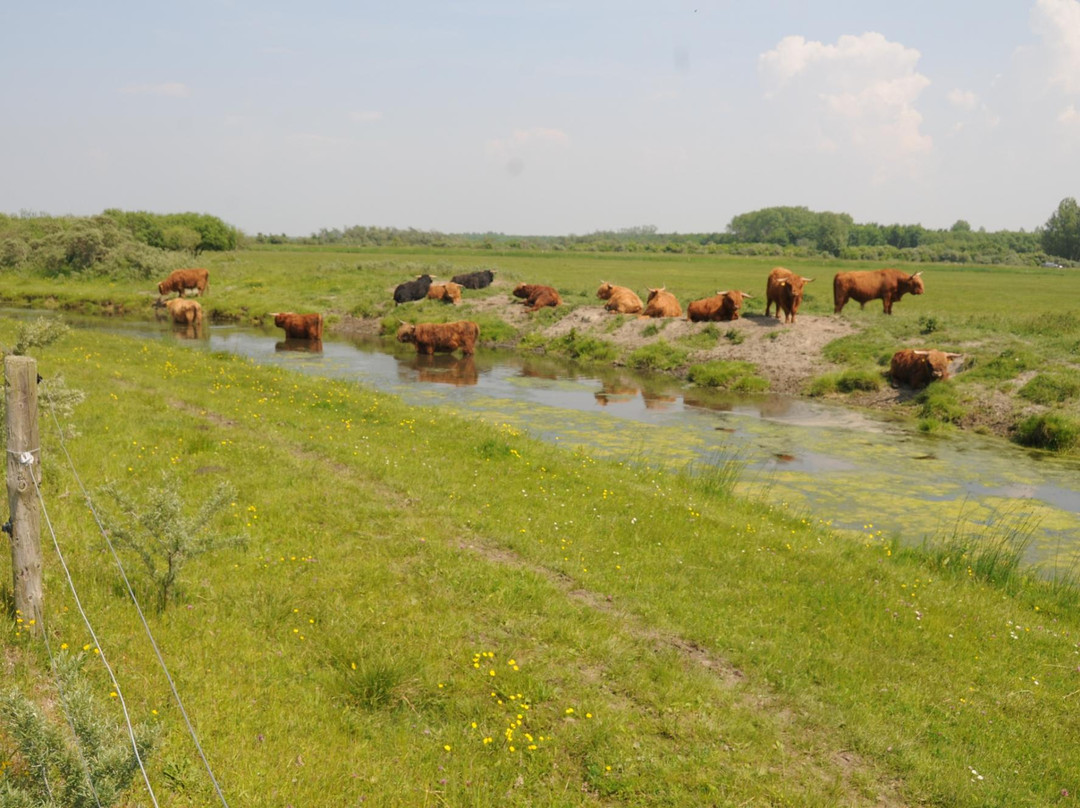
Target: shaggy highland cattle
column 620, row 299
column 412, row 290
column 917, row 369
column 886, row 285
column 475, row 280
column 661, row 303
column 300, row 326
column 784, row 289
column 430, row 338
column 446, row 292
column 537, row 296
column 721, row 306
column 184, row 312
column 180, row 280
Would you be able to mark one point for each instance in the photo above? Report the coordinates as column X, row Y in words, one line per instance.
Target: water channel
column 824, row 461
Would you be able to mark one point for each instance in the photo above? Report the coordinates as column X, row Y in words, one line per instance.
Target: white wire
column 93, row 636
column 138, row 608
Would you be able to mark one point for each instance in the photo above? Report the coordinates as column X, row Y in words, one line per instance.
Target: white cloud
column 365, row 116
column 963, row 100
column 859, row 93
column 172, row 89
column 1069, row 116
column 1058, row 23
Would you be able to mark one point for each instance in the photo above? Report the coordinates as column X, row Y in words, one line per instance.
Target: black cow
column 412, row 290
column 475, row 280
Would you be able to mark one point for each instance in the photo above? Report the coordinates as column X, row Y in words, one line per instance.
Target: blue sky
column 542, row 117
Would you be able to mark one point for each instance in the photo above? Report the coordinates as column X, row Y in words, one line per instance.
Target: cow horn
column 917, row 274
column 722, row 293
column 807, row 280
column 747, row 294
column 950, row 355
column 921, row 353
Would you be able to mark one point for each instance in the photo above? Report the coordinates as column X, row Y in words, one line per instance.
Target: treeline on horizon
column 779, row 231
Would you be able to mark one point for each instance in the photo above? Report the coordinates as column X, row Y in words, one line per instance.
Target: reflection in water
column 190, row 331
column 445, row 369
column 837, row 464
column 299, row 345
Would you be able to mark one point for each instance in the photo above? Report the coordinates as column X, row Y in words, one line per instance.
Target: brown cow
column 180, row 280
column 785, row 289
column 299, row 326
column 619, row 299
column 184, row 312
column 537, row 296
column 441, row 337
column 446, row 292
column 662, row 303
column 721, row 306
column 918, row 368
column 886, row 285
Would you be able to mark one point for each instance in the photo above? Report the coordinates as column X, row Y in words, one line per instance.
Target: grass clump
column 1052, row 430
column 1052, row 388
column 582, row 347
column 939, row 402
column 705, row 338
column 1008, row 364
column 734, row 336
column 846, row 381
column 659, row 356
column 721, row 375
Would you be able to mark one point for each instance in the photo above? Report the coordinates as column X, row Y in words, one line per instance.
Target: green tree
column 832, row 235
column 1061, row 235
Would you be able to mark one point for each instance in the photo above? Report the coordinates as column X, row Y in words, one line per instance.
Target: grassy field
column 1018, row 328
column 433, row 611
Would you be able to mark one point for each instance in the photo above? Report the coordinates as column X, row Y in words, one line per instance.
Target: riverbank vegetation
column 428, row 609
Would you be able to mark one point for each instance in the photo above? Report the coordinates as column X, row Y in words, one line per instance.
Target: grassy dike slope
column 435, row 611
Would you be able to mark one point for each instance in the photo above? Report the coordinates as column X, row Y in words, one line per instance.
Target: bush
column 738, row 376
column 1051, row 430
column 1051, row 388
column 13, row 252
column 659, row 356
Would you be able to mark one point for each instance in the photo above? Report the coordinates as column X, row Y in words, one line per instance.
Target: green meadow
column 432, row 609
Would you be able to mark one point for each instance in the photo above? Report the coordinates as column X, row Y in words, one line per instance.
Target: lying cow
column 918, row 368
column 662, row 303
column 475, row 280
column 619, row 299
column 721, row 306
column 184, row 312
column 446, row 292
column 441, row 337
column 180, row 280
column 537, row 296
column 784, row 289
column 412, row 290
column 300, row 326
column 886, row 285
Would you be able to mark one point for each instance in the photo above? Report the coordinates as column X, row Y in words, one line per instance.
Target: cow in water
column 537, row 296
column 300, row 326
column 784, row 289
column 184, row 312
column 917, row 369
column 475, row 280
column 412, row 290
column 180, row 280
column 620, row 299
column 430, row 338
column 721, row 306
column 661, row 303
column 886, row 285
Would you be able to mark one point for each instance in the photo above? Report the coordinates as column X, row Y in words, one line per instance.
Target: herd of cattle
column 783, row 290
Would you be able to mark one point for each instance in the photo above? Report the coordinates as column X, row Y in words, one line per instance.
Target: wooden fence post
column 20, row 375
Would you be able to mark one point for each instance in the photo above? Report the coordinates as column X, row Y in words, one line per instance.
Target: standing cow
column 184, row 312
column 917, row 369
column 886, row 285
column 440, row 337
column 784, row 289
column 180, row 280
column 721, row 306
column 620, row 299
column 661, row 303
column 300, row 326
column 412, row 290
